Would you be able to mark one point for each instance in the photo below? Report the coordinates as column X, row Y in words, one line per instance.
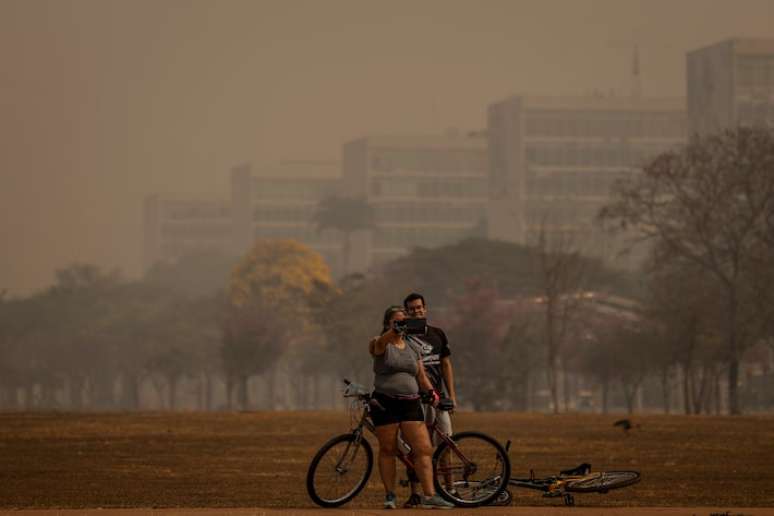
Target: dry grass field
column 260, row 459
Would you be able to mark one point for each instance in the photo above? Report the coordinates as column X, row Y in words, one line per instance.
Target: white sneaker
column 435, row 502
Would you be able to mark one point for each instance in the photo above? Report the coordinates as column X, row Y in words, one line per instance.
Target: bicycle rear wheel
column 339, row 471
column 603, row 481
column 474, row 473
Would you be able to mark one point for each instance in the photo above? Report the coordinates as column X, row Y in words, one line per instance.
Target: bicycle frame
column 365, row 422
column 557, row 485
column 459, row 468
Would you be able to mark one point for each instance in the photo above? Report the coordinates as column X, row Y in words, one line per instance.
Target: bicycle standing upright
column 469, row 468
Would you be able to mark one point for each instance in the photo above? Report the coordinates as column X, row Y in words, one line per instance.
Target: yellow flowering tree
column 270, row 298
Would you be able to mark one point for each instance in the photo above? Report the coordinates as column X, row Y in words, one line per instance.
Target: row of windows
column 284, row 213
column 172, row 250
column 409, row 237
column 197, row 231
column 570, row 184
column 302, row 190
column 755, row 112
column 607, row 125
column 428, row 189
column 429, row 212
column 573, row 154
column 181, row 210
column 755, row 74
column 306, row 234
column 446, row 162
column 561, row 212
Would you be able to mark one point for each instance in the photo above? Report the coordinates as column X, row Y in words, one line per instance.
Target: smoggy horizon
column 105, row 102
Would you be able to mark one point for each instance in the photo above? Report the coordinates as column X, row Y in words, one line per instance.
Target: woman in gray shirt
column 398, row 376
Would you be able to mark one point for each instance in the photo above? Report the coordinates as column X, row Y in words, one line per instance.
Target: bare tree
column 562, row 272
column 710, row 204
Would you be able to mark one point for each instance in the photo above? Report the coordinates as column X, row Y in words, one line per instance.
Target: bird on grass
column 625, row 425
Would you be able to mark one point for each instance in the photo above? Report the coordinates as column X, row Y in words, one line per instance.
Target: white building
column 425, row 190
column 175, row 225
column 281, row 202
column 552, row 161
column 731, row 83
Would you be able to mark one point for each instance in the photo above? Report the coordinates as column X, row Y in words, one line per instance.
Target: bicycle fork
column 350, row 453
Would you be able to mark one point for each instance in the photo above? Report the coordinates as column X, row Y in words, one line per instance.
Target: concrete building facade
column 425, row 191
column 552, row 161
column 174, row 226
column 730, row 83
column 281, row 202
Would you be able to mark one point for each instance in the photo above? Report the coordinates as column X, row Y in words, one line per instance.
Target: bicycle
column 567, row 482
column 469, row 468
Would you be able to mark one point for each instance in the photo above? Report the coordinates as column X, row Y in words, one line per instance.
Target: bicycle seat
column 582, row 469
column 354, row 390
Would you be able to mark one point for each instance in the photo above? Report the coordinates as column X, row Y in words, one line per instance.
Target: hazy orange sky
column 103, row 102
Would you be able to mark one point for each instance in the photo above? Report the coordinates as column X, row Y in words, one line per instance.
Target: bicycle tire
column 503, row 498
column 479, row 485
column 328, row 462
column 603, row 481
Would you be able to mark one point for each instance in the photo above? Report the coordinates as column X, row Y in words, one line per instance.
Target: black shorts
column 395, row 410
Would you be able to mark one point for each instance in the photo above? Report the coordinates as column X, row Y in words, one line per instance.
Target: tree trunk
column 665, row 387
column 130, row 392
column 207, row 391
column 551, row 352
column 630, row 392
column 229, row 391
column 566, row 388
column 242, row 392
column 716, row 390
column 172, row 383
column 271, row 390
column 29, row 396
column 688, row 389
column 733, row 391
column 75, row 391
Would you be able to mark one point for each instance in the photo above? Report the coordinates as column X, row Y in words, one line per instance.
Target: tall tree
column 563, row 274
column 710, row 203
column 346, row 215
column 270, row 303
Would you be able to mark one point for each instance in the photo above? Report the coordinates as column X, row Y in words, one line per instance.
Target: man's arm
column 448, row 377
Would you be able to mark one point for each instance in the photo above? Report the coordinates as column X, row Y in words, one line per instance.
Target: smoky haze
column 105, row 102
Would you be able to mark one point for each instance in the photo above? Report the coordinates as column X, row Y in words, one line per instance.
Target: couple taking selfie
column 411, row 363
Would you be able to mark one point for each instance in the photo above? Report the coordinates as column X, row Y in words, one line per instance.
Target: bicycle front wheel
column 473, row 472
column 340, row 470
column 603, row 481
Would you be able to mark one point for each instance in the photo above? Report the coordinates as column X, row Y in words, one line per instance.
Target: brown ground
column 230, row 460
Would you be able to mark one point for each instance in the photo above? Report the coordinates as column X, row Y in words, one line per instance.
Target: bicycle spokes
column 340, row 470
column 471, row 471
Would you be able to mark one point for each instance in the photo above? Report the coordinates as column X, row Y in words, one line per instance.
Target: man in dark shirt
column 438, row 367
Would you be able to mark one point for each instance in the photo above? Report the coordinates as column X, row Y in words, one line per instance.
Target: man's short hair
column 411, row 297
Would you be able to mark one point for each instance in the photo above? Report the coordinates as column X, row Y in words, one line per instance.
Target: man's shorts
column 395, row 410
column 443, row 419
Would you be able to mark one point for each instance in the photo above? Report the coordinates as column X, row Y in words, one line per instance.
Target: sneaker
column 390, row 501
column 413, row 501
column 436, row 502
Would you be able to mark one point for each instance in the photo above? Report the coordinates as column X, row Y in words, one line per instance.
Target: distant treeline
column 539, row 327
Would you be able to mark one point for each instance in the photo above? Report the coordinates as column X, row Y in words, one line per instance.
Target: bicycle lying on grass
column 469, row 468
column 576, row 480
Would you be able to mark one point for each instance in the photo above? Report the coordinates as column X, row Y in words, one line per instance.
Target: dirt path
column 700, row 465
column 486, row 511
